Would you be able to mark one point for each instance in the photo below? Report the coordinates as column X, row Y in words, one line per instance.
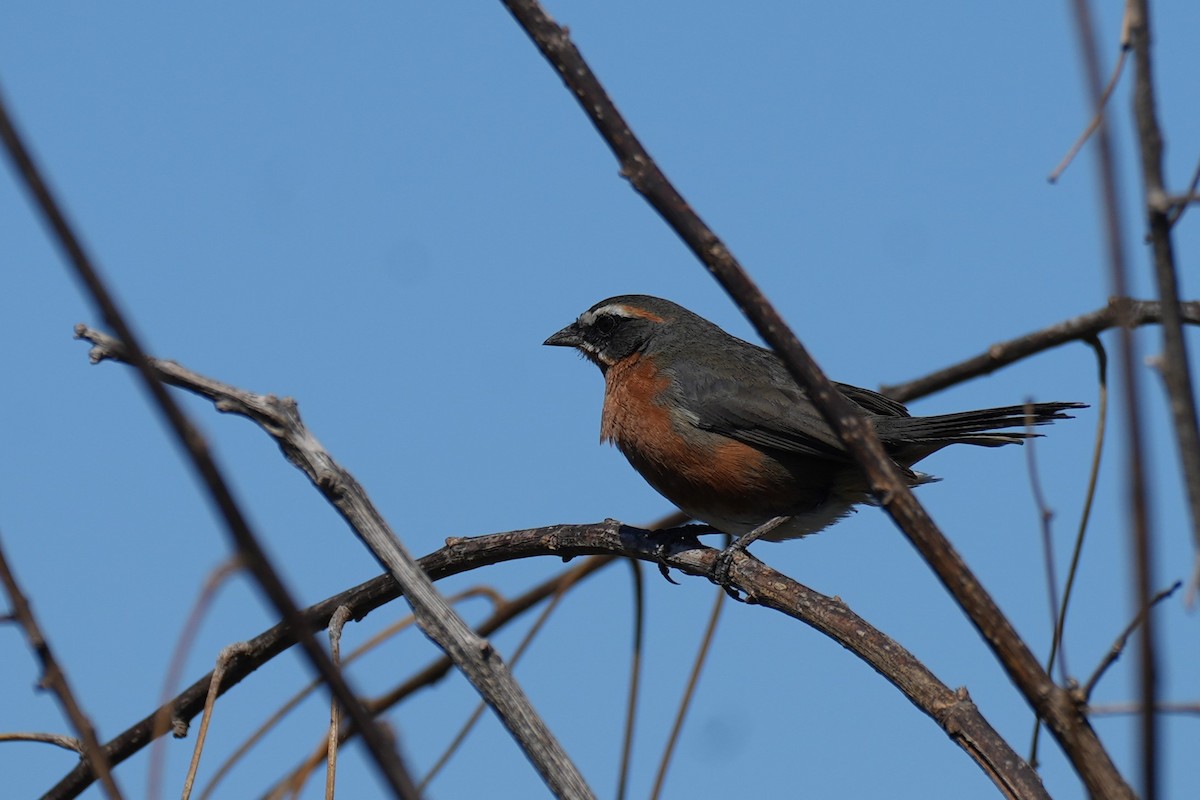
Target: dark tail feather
column 972, row 427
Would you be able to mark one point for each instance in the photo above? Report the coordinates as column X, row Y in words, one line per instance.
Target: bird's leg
column 724, row 560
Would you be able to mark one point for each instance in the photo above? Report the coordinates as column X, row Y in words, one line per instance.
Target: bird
column 718, row 426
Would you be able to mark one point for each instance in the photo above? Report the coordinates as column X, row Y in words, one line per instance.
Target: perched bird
column 718, row 427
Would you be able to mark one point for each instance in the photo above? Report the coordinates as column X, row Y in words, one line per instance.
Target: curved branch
column 951, row 709
column 1076, row 329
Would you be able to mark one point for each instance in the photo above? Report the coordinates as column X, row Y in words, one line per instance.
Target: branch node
column 179, row 727
column 1158, row 201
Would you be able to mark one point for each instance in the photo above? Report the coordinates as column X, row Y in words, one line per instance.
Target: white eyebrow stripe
column 614, row 309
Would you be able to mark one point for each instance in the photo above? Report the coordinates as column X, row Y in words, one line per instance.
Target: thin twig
column 1088, row 503
column 1177, row 211
column 158, row 753
column 1118, row 647
column 54, row 678
column 1074, row 149
column 1045, row 518
column 689, row 692
column 1080, row 743
column 189, row 438
column 336, row 623
column 292, row 702
column 57, row 739
column 1136, row 708
column 227, row 655
column 635, row 675
column 1193, row 583
column 1090, row 497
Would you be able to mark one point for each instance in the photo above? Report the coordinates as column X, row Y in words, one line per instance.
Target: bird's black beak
column 569, row 336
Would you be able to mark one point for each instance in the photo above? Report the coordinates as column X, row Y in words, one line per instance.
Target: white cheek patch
column 590, row 351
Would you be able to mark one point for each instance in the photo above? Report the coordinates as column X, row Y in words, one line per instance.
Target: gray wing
column 776, row 414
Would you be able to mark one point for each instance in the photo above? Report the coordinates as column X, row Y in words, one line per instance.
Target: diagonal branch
column 1074, row 149
column 1118, row 646
column 55, row 679
column 245, row 540
column 482, row 666
column 1066, row 723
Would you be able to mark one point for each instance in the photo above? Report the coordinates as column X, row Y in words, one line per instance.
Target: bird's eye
column 605, row 324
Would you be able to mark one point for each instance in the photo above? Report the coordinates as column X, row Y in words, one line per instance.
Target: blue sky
column 382, row 210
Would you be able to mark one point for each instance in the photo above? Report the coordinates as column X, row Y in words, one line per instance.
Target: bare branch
column 55, row 679
column 227, row 654
column 1045, row 520
column 290, row 705
column 951, row 710
column 689, row 692
column 1188, row 197
column 503, row 612
column 280, row 419
column 1074, row 149
column 189, row 438
column 635, row 673
column 1076, row 329
column 517, row 653
column 1118, row 646
column 336, row 624
column 361, row 600
column 1060, row 623
column 1135, row 708
column 57, row 739
column 214, row 581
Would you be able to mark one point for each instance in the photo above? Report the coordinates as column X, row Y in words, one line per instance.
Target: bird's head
column 617, row 328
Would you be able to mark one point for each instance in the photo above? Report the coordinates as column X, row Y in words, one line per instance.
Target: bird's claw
column 723, row 568
column 668, row 536
column 660, row 556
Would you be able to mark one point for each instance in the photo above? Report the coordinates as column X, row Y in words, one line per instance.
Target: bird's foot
column 723, row 565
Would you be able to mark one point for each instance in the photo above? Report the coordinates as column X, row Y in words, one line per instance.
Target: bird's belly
column 798, row 524
column 715, row 479
column 729, row 482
